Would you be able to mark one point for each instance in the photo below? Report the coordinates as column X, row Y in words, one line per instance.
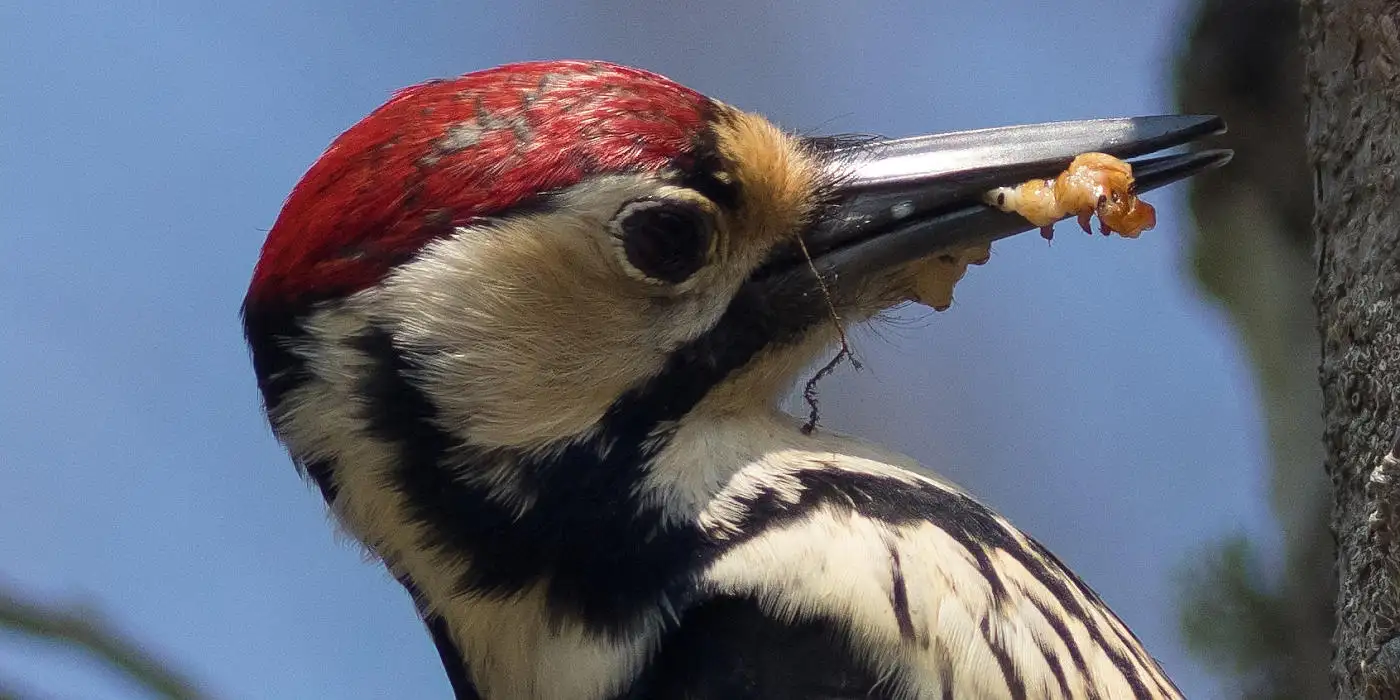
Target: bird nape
column 527, row 330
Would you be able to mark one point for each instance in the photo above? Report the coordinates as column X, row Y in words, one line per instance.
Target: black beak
column 901, row 200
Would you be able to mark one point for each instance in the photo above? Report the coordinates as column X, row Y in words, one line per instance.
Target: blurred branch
column 78, row 627
column 10, row 690
column 1252, row 252
column 1232, row 623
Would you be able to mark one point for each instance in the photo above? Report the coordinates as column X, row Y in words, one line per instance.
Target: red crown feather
column 444, row 153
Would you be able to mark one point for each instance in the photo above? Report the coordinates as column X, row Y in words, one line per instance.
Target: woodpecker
column 528, row 329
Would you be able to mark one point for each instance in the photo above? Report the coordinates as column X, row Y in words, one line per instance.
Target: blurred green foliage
column 82, row 629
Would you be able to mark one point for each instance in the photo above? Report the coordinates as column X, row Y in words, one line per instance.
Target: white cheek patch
column 514, row 647
column 527, row 329
column 324, row 419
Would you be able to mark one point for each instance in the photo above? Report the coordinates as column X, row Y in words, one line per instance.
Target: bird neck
column 571, row 585
column 529, row 557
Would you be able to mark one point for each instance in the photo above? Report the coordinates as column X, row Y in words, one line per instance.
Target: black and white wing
column 864, row 583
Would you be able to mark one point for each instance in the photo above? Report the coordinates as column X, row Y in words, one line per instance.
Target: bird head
column 486, row 311
column 540, row 240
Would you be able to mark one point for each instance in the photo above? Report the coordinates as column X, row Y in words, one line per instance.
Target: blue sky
column 1083, row 388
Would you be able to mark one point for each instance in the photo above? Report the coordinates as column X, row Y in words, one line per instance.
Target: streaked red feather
column 447, row 152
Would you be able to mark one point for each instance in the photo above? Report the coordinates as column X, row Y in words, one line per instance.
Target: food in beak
column 1094, row 183
column 935, row 277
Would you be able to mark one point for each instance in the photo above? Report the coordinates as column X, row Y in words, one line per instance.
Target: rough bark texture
column 1252, row 252
column 1352, row 90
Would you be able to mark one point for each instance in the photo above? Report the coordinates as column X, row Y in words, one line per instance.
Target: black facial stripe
column 607, row 559
column 760, row 316
column 280, row 370
column 271, row 337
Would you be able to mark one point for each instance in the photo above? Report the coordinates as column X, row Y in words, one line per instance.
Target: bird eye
column 666, row 240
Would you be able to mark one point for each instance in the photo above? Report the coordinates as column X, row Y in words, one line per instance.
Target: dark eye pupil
column 667, row 241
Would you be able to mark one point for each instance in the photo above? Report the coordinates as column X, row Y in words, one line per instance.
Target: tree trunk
column 1352, row 90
